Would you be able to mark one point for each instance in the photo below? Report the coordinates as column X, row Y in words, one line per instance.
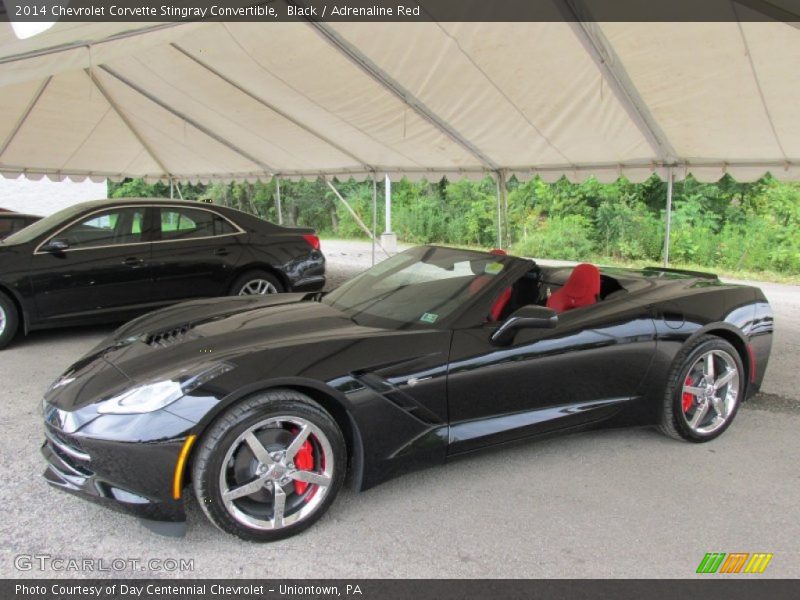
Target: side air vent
column 163, row 339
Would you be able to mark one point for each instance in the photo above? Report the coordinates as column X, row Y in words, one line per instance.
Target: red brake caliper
column 688, row 398
column 304, row 461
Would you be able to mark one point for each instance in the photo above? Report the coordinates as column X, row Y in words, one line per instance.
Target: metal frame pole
column 374, row 215
column 669, row 217
column 502, row 206
column 504, row 188
column 388, row 197
column 358, row 220
column 499, row 223
column 278, row 200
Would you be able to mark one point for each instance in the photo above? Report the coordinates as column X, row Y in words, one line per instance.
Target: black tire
column 221, row 454
column 675, row 421
column 9, row 320
column 250, row 277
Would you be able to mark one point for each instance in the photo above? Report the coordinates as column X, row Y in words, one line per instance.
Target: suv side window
column 7, row 226
column 189, row 223
column 107, row 228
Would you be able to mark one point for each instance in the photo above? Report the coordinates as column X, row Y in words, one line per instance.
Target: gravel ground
column 617, row 503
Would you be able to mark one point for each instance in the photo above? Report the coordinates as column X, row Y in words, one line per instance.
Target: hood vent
column 164, row 339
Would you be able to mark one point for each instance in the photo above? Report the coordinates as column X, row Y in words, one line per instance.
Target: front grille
column 163, row 339
column 68, row 450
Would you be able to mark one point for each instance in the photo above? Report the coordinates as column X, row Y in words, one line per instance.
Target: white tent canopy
column 235, row 101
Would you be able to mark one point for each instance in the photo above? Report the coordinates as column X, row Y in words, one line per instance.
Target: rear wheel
column 270, row 466
column 705, row 388
column 256, row 283
column 9, row 320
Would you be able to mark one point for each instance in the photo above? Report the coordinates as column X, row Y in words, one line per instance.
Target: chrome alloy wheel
column 276, row 473
column 710, row 392
column 3, row 320
column 260, row 287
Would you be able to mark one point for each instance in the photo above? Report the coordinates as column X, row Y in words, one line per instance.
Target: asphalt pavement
column 616, row 503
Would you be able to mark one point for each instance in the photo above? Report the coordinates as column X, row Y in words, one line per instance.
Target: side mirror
column 531, row 316
column 56, row 245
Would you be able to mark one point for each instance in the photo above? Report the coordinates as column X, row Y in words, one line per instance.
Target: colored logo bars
column 735, row 562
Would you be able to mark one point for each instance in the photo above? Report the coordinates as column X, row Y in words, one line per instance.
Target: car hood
column 189, row 336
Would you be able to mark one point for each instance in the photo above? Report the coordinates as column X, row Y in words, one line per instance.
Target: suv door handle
column 133, row 261
column 221, row 252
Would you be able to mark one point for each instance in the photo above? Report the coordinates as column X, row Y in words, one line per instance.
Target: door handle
column 221, row 252
column 132, row 261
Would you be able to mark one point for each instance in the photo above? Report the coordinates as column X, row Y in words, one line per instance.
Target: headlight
column 142, row 399
column 153, row 396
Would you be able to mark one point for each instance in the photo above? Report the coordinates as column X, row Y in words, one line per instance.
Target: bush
column 736, row 226
column 564, row 238
column 694, row 236
column 627, row 230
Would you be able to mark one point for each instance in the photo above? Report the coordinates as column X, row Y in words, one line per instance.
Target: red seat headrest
column 581, row 289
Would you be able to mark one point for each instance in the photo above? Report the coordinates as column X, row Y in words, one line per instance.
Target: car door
column 101, row 265
column 195, row 253
column 584, row 369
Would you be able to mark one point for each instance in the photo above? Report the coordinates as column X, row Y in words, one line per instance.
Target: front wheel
column 9, row 320
column 270, row 467
column 706, row 385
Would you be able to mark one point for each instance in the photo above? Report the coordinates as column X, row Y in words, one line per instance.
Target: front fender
column 383, row 438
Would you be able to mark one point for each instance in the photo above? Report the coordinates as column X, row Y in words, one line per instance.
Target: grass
column 767, row 276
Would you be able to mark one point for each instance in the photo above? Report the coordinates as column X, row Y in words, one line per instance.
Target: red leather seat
column 500, row 304
column 581, row 289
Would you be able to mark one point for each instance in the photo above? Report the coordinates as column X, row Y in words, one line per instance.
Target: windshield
column 421, row 286
column 42, row 226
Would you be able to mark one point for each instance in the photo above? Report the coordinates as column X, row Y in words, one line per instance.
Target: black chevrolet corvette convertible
column 263, row 405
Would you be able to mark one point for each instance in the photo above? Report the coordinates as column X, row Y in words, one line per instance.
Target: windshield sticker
column 429, row 318
column 493, row 268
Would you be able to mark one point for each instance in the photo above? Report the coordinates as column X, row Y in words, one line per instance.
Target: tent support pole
column 278, row 199
column 498, row 238
column 505, row 208
column 186, row 119
column 267, row 105
column 356, row 217
column 374, row 215
column 394, row 87
column 613, row 71
column 388, row 198
column 31, row 105
column 171, row 189
column 502, row 208
column 669, row 217
column 115, row 107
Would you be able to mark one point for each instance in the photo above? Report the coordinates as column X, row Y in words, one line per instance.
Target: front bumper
column 132, row 478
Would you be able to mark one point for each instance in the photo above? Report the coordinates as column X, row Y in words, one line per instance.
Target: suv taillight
column 312, row 240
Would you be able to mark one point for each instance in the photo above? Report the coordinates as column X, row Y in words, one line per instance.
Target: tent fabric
column 201, row 102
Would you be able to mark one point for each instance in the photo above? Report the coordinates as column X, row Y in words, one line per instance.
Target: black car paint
column 404, row 398
column 11, row 222
column 116, row 283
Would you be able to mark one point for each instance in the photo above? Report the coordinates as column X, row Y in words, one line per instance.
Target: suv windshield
column 421, row 286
